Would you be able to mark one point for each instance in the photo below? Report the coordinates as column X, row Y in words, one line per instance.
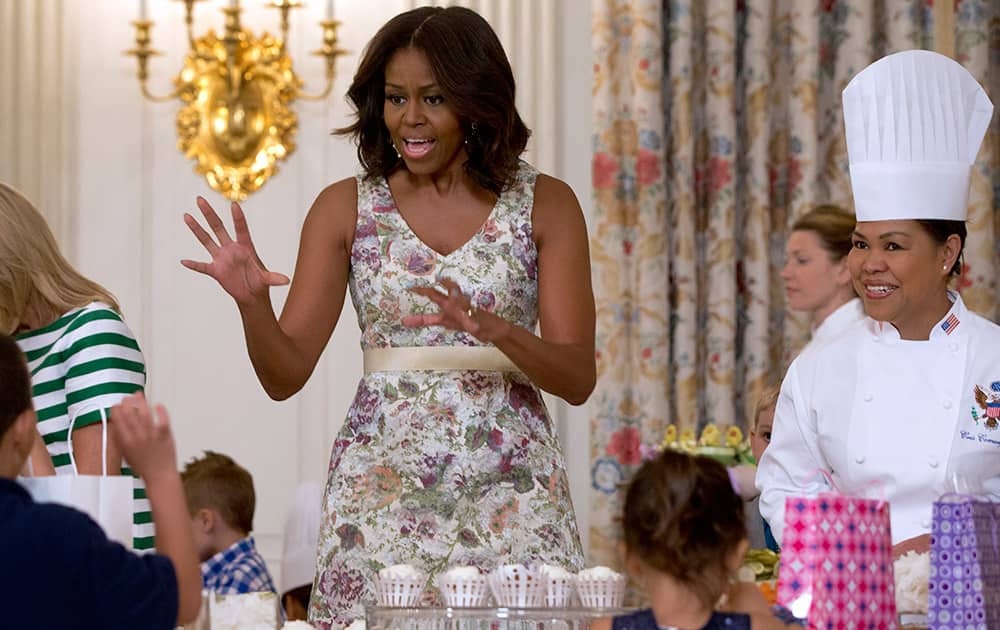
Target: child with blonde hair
column 760, row 437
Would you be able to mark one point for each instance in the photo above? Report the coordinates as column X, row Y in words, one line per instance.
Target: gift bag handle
column 104, row 444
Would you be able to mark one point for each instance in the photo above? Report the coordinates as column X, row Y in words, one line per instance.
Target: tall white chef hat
column 914, row 122
column 298, row 560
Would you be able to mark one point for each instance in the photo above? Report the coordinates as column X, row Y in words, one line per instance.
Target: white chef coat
column 841, row 319
column 889, row 418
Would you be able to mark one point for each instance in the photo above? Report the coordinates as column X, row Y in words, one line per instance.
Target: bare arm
column 561, row 361
column 150, row 444
column 284, row 351
column 87, row 451
column 41, row 461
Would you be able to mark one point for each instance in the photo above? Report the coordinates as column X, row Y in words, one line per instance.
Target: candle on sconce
column 234, row 4
column 143, row 13
column 329, row 9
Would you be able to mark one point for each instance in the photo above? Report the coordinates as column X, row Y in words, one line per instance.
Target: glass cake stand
column 388, row 618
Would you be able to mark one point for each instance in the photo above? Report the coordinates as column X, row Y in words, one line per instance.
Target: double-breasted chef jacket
column 889, row 418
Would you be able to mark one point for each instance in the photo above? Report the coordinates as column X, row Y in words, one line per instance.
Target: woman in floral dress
column 453, row 250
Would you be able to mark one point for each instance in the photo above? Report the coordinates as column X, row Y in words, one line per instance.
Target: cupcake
column 558, row 586
column 517, row 586
column 463, row 587
column 600, row 587
column 399, row 585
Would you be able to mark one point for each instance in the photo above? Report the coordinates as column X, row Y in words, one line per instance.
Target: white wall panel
column 76, row 135
column 34, row 138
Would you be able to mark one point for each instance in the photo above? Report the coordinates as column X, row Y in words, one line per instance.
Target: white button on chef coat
column 901, row 444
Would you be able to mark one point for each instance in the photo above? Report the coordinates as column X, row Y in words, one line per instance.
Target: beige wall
column 77, row 137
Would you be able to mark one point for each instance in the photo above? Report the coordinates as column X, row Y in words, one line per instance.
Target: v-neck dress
column 438, row 468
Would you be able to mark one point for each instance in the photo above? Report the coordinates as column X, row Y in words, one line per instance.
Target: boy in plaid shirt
column 221, row 500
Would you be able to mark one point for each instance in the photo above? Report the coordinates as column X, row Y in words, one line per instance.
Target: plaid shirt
column 238, row 569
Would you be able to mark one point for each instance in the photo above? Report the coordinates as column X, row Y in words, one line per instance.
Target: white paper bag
column 105, row 498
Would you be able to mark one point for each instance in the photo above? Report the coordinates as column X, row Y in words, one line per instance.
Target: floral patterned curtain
column 717, row 123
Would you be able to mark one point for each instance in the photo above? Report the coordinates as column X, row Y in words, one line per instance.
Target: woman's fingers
column 214, row 221
column 199, row 232
column 431, row 294
column 194, row 265
column 452, row 287
column 456, row 309
column 417, row 321
column 275, row 279
column 240, row 225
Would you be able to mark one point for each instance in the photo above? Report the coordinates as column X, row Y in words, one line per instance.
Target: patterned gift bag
column 836, row 562
column 964, row 589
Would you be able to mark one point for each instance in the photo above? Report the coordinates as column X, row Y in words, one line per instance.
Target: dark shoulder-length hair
column 472, row 70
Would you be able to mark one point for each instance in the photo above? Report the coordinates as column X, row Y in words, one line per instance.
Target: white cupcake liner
column 606, row 592
column 515, row 585
column 464, row 592
column 559, row 591
column 399, row 592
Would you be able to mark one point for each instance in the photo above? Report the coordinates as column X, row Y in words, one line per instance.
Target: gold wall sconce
column 237, row 90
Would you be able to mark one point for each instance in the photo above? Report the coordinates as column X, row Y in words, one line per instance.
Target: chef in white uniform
column 907, row 400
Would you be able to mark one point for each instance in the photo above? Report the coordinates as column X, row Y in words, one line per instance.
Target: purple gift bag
column 964, row 589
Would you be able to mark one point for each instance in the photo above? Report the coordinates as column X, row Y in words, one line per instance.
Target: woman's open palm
column 235, row 264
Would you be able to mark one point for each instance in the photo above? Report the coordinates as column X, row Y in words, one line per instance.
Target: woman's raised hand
column 235, row 264
column 457, row 312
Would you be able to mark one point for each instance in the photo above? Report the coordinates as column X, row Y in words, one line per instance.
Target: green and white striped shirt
column 85, row 362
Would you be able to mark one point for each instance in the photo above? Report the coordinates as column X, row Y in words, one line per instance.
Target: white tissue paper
column 249, row 611
column 912, row 572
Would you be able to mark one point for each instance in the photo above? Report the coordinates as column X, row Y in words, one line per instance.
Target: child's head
column 220, row 500
column 17, row 416
column 682, row 519
column 763, row 420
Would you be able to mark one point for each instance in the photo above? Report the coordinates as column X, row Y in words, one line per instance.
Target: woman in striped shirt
column 83, row 358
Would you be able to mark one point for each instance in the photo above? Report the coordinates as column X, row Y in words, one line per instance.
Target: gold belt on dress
column 410, row 358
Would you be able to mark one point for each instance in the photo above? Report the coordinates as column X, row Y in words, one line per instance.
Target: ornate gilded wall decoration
column 237, row 120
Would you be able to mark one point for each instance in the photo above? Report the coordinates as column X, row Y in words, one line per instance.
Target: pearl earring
column 473, row 128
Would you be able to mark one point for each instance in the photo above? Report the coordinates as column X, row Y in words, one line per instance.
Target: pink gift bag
column 836, row 562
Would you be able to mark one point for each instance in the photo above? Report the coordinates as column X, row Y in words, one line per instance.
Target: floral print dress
column 440, row 468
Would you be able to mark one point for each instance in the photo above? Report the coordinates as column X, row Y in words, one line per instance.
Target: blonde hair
column 768, row 399
column 33, row 272
column 833, row 225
